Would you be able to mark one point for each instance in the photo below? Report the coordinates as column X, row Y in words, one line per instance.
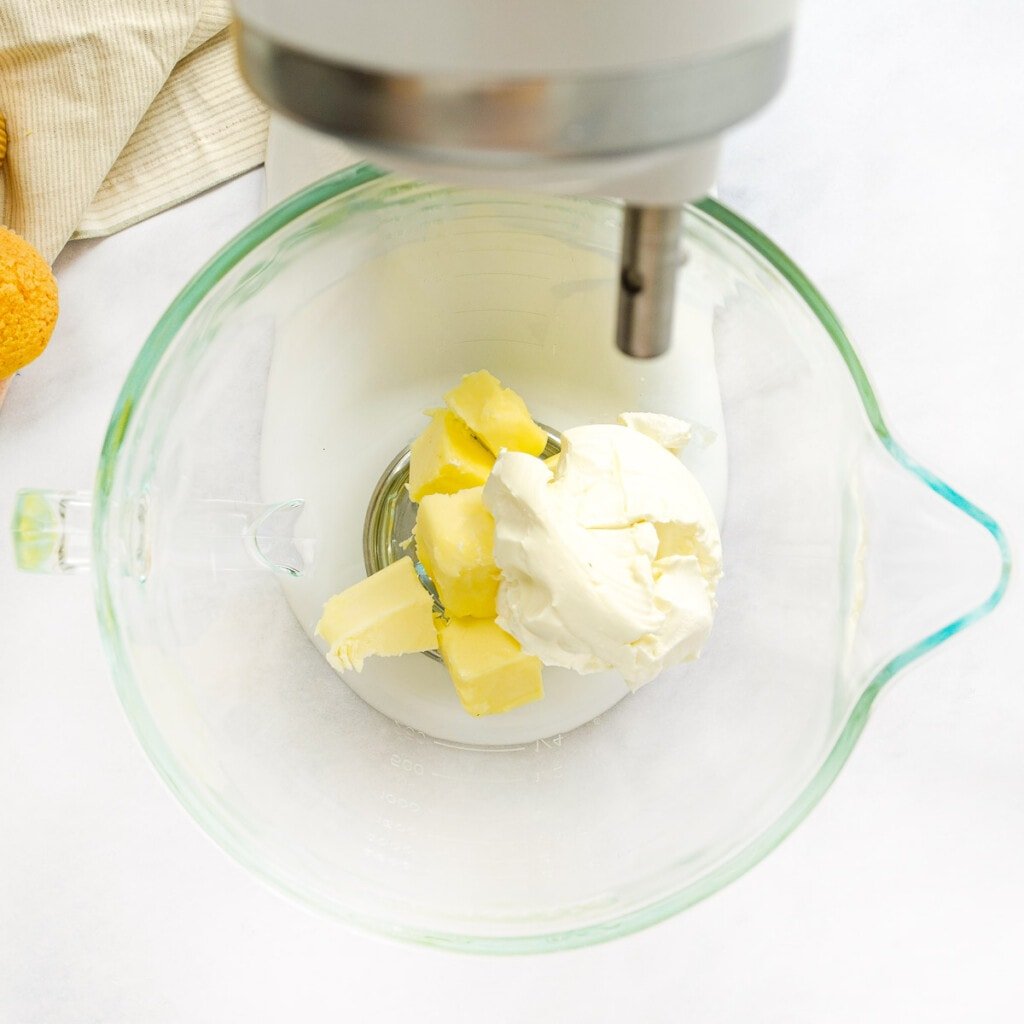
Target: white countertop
column 891, row 169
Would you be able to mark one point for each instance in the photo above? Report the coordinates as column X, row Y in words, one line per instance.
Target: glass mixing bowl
column 253, row 467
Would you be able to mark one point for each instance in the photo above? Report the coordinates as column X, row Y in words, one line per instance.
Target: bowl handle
column 52, row 532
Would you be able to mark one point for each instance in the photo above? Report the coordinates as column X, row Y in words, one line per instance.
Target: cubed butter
column 455, row 543
column 490, row 671
column 497, row 415
column 446, row 458
column 386, row 614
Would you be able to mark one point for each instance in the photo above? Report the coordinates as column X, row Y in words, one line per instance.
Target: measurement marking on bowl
column 402, row 803
column 417, row 734
column 483, row 750
column 406, row 764
column 551, row 741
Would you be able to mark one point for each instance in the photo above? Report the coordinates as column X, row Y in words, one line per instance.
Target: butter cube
column 497, row 415
column 388, row 613
column 446, row 458
column 490, row 671
column 455, row 543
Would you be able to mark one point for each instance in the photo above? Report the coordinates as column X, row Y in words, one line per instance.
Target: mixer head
column 587, row 97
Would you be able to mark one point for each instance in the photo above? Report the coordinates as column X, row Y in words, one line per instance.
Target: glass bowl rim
column 130, row 399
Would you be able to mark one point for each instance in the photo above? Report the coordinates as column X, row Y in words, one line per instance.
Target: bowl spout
column 923, row 563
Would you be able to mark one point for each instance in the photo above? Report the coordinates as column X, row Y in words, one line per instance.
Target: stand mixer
column 580, row 97
column 231, row 494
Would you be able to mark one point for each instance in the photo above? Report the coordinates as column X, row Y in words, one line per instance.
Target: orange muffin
column 28, row 303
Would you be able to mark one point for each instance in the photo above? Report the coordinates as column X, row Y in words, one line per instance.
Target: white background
column 892, row 170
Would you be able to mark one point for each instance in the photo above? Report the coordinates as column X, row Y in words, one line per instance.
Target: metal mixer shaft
column 651, row 257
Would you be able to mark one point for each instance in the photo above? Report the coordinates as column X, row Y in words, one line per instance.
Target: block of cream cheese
column 455, row 542
column 490, row 671
column 446, row 457
column 497, row 415
column 388, row 613
column 609, row 560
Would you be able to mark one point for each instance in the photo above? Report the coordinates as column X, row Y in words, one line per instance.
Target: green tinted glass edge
column 128, row 400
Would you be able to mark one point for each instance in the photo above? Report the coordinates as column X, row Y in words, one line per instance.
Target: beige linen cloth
column 116, row 110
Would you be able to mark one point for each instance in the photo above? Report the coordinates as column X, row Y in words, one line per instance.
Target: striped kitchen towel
column 115, row 111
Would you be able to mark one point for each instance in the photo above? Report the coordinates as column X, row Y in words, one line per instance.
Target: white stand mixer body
column 544, row 75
